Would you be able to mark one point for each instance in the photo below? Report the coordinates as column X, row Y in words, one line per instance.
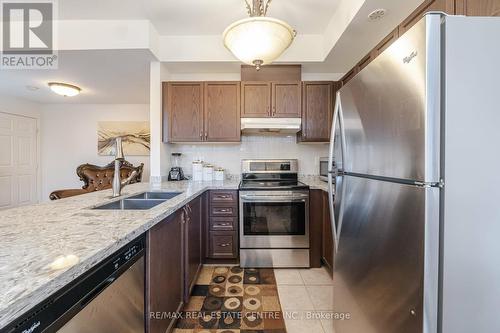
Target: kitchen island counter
column 33, row 237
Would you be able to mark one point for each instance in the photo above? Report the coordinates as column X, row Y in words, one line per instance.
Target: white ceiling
column 199, row 17
column 362, row 35
column 122, row 75
column 106, row 76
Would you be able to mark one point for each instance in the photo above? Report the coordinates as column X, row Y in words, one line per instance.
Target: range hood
column 270, row 126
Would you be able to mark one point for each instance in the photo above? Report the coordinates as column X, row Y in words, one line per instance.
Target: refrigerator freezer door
column 391, row 109
column 379, row 266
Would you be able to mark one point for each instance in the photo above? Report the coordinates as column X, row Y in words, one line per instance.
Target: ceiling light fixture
column 258, row 40
column 64, row 89
column 377, row 14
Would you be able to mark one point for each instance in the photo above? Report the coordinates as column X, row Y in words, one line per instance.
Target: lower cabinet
column 320, row 231
column 164, row 273
column 327, row 241
column 192, row 247
column 174, row 259
column 222, row 225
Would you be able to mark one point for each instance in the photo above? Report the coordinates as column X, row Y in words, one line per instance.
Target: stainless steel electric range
column 274, row 215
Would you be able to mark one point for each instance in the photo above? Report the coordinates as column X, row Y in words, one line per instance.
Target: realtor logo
column 28, row 35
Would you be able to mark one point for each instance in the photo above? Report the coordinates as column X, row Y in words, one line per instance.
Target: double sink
column 141, row 201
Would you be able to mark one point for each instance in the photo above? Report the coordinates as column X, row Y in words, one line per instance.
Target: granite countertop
column 314, row 182
column 32, row 237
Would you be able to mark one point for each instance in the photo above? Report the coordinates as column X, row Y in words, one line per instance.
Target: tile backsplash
column 229, row 156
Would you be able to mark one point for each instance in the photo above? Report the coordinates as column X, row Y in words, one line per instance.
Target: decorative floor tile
column 233, row 300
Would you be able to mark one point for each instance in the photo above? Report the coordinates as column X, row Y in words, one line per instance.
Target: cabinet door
column 286, row 98
column 192, row 240
column 222, row 112
column 478, row 7
column 315, row 227
column 317, row 111
column 327, row 244
column 184, row 107
column 164, row 276
column 256, row 99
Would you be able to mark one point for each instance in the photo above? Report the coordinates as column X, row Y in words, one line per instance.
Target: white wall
column 18, row 106
column 230, row 156
column 69, row 138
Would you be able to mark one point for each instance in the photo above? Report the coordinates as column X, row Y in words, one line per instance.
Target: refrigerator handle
column 331, row 191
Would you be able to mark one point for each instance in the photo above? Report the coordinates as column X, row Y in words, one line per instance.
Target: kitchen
column 320, row 191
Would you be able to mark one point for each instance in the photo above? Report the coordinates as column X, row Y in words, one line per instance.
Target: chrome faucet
column 118, row 184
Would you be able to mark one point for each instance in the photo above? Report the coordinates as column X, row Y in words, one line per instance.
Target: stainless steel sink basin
column 131, row 204
column 155, row 195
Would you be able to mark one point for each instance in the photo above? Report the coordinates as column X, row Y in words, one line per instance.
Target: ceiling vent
column 377, row 14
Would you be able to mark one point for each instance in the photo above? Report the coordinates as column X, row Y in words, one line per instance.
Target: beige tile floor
column 305, row 294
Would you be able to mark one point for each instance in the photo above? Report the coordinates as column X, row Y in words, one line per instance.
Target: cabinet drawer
column 224, row 211
column 223, row 244
column 223, row 197
column 223, row 223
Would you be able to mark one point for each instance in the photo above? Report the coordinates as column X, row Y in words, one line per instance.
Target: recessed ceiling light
column 32, row 88
column 64, row 89
column 377, row 14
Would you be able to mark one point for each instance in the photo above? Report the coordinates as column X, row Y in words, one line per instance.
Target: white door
column 18, row 160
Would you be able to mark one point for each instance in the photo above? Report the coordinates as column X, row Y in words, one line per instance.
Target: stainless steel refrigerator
column 415, row 198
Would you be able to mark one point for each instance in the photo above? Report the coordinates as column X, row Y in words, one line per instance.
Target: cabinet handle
column 223, row 196
column 223, row 210
column 224, row 244
column 201, row 134
column 223, row 224
column 274, row 110
column 268, row 110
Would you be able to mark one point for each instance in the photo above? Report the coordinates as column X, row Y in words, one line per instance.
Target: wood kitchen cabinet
column 164, row 274
column 318, row 101
column 192, row 244
column 222, row 112
column 315, row 228
column 478, row 7
column 201, row 111
column 286, row 99
column 255, row 99
column 327, row 242
column 222, row 226
column 183, row 111
column 262, row 99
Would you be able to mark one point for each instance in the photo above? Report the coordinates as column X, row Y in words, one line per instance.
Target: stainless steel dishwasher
column 109, row 298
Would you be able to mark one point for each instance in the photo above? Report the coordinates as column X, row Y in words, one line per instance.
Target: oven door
column 274, row 219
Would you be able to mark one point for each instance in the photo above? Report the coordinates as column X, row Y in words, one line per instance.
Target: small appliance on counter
column 323, row 168
column 208, row 172
column 176, row 172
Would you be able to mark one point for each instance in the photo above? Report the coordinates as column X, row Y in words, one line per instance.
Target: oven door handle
column 272, row 199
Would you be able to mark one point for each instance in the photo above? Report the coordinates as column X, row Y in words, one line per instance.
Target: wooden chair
column 97, row 178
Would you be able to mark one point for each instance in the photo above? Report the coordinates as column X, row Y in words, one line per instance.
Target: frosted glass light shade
column 258, row 39
column 64, row 89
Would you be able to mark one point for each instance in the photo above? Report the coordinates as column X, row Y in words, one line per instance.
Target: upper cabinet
column 318, row 100
column 222, row 112
column 261, row 99
column 286, row 98
column 183, row 111
column 446, row 6
column 255, row 99
column 478, row 7
column 201, row 111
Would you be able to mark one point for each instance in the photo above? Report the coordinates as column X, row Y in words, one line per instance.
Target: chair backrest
column 96, row 178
